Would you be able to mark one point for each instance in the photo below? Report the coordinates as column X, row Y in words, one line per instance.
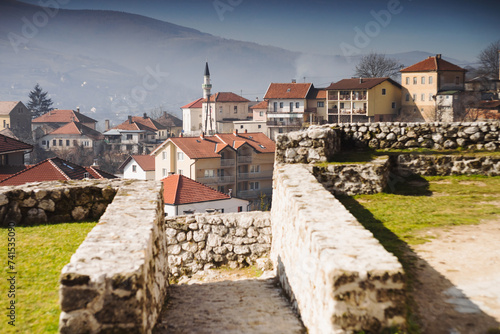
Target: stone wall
column 198, row 242
column 431, row 165
column 354, row 179
column 116, row 281
column 55, row 202
column 338, row 276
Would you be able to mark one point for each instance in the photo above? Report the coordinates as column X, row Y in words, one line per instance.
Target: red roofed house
column 183, row 195
column 363, row 100
column 57, row 118
column 136, row 135
column 192, row 121
column 239, row 162
column 171, row 124
column 71, row 135
column 424, row 82
column 139, row 167
column 15, row 116
column 12, row 153
column 55, row 169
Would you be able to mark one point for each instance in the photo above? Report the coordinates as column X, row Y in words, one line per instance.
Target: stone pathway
column 221, row 302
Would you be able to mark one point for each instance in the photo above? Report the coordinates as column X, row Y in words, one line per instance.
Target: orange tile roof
column 195, row 104
column 178, row 189
column 197, row 148
column 63, row 116
column 261, row 105
column 147, row 162
column 150, row 123
column 53, row 169
column 169, row 120
column 317, row 93
column 226, row 97
column 78, row 129
column 357, row 83
column 139, row 123
column 288, row 90
column 8, row 145
column 7, row 171
column 432, row 64
column 257, row 140
column 7, row 106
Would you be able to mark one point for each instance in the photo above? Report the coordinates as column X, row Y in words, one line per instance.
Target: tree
column 39, row 103
column 488, row 58
column 374, row 65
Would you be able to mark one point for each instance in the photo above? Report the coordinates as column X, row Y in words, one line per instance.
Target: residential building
column 192, row 121
column 171, row 124
column 363, row 100
column 240, row 163
column 56, row 118
column 15, row 116
column 137, row 135
column 422, row 83
column 71, row 135
column 183, row 195
column 287, row 107
column 316, row 106
column 251, row 126
column 12, row 156
column 55, row 169
column 220, row 110
column 139, row 167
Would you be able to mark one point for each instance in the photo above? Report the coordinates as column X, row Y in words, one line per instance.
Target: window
column 321, row 104
column 220, row 189
column 423, row 81
column 407, row 80
column 235, row 109
column 4, row 123
column 275, row 106
column 254, row 185
column 341, row 105
column 209, row 173
column 430, row 80
column 86, row 143
column 86, row 175
column 67, row 142
column 254, row 168
column 164, row 155
column 60, row 142
column 259, row 126
column 407, row 97
column 280, row 130
column 430, row 97
column 44, row 142
column 134, row 168
column 164, row 172
column 384, row 91
column 393, row 105
column 180, row 172
column 297, row 105
column 261, row 113
column 54, row 142
column 414, row 97
column 180, row 156
column 240, row 209
column 220, row 109
column 281, row 104
column 241, row 126
column 291, row 106
column 422, row 97
column 129, row 137
column 457, row 80
column 414, row 80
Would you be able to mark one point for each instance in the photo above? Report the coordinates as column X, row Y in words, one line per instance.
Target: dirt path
column 459, row 274
column 226, row 302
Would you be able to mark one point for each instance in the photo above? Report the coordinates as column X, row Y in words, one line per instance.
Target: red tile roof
column 54, row 169
column 357, row 83
column 211, row 146
column 10, row 145
column 178, row 189
column 226, row 97
column 146, row 162
column 78, row 129
column 7, row 106
column 261, row 105
column 433, row 64
column 140, row 123
column 288, row 90
column 169, row 120
column 7, row 171
column 317, row 93
column 63, row 116
column 195, row 104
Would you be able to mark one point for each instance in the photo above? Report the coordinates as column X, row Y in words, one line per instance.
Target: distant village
column 220, row 156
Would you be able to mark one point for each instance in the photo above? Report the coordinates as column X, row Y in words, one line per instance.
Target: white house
column 183, row 196
column 139, row 167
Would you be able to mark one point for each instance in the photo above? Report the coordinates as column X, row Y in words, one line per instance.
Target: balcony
column 360, row 111
column 255, row 176
column 254, row 193
column 216, row 180
column 227, row 162
column 244, row 159
column 286, row 122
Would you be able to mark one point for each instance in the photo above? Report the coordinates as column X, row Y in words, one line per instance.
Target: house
column 137, row 135
column 316, row 106
column 15, row 116
column 12, row 156
column 422, row 83
column 183, row 195
column 192, row 121
column 287, row 107
column 71, row 135
column 363, row 100
column 55, row 169
column 171, row 124
column 220, row 110
column 56, row 118
column 240, row 163
column 139, row 167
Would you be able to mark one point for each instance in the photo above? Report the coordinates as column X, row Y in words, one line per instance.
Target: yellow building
column 363, row 100
column 422, row 83
column 15, row 116
column 238, row 163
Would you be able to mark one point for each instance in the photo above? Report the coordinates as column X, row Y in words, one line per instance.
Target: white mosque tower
column 207, row 86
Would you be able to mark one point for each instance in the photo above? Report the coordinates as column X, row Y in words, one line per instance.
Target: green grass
column 419, row 204
column 41, row 253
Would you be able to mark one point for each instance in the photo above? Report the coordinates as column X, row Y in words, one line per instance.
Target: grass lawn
column 41, row 253
column 418, row 204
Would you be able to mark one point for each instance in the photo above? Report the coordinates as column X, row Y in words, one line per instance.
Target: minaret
column 207, row 86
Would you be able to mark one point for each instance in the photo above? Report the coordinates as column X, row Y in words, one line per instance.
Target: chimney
column 257, row 98
column 235, row 132
column 294, row 81
column 246, row 131
column 106, row 125
column 129, row 119
column 360, row 80
column 202, row 135
column 181, row 135
column 95, row 164
column 438, row 56
column 77, row 109
column 145, row 116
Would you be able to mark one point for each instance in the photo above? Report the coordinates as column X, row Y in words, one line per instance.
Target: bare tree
column 374, row 65
column 488, row 59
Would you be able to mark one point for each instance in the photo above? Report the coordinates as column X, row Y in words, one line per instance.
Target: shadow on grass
column 408, row 185
column 429, row 293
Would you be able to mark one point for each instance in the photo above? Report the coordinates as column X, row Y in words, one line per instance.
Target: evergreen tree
column 39, row 103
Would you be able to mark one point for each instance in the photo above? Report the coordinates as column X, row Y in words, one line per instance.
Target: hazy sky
column 458, row 29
